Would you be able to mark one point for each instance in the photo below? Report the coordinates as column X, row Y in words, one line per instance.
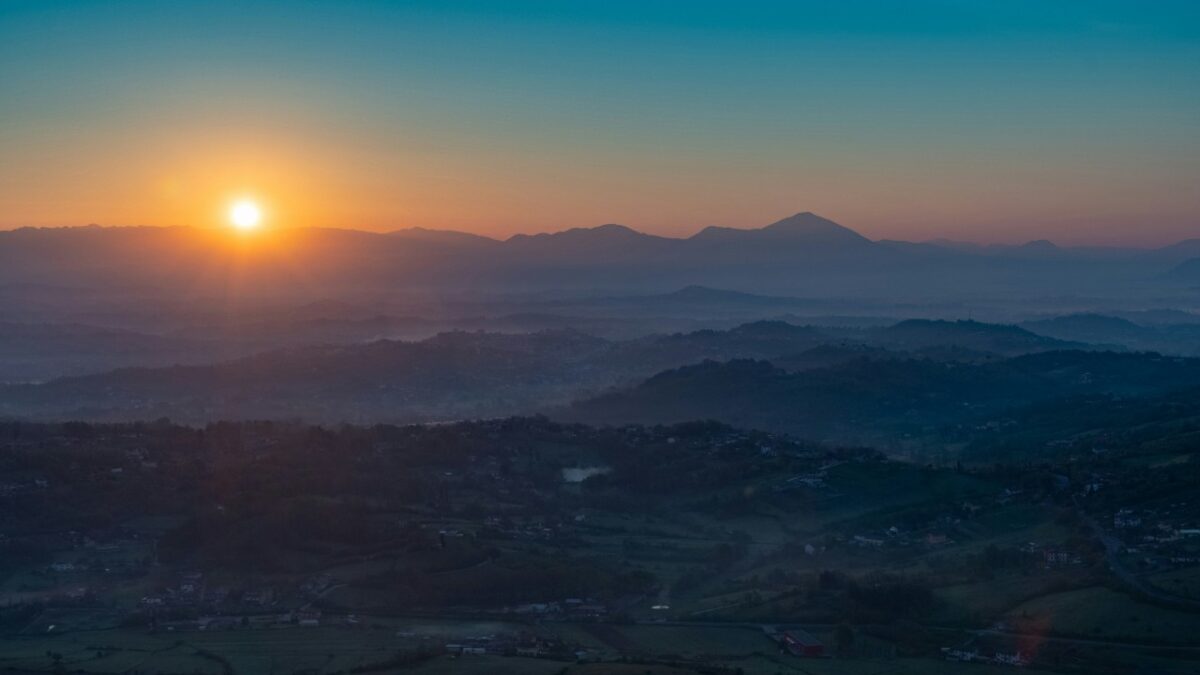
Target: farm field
column 1184, row 582
column 329, row 650
column 975, row 603
column 1101, row 613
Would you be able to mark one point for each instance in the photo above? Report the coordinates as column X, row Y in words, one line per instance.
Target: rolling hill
column 868, row 398
column 478, row 374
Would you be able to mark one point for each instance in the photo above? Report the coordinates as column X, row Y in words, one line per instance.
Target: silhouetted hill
column 38, row 351
column 801, row 229
column 804, row 254
column 1099, row 329
column 451, row 375
column 608, row 244
column 1087, row 327
column 1039, row 248
column 1158, row 317
column 1187, row 271
column 862, row 398
column 446, row 237
column 447, row 376
column 760, row 339
column 455, row 374
column 1178, row 252
column 828, row 355
column 915, row 334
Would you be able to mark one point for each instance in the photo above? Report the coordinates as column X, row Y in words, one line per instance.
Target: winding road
column 1112, row 550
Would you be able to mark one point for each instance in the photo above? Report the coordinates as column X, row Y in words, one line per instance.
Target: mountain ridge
column 803, row 254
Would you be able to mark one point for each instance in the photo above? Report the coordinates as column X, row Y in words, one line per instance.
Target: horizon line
column 942, row 241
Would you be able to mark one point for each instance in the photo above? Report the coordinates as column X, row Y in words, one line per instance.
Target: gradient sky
column 983, row 120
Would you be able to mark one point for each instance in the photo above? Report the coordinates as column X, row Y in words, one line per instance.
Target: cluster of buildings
column 570, row 609
column 796, row 641
column 895, row 537
column 1164, row 538
column 304, row 617
column 18, row 483
column 994, row 656
column 192, row 592
column 521, row 644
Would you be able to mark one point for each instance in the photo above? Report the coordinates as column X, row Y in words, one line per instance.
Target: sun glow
column 245, row 215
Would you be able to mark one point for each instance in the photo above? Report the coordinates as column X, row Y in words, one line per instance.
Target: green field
column 779, row 665
column 1101, row 613
column 328, row 650
column 1185, row 582
column 976, row 603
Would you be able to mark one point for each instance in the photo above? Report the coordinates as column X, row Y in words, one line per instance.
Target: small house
column 801, row 643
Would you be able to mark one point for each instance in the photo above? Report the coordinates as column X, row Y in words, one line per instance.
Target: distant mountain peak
column 1040, row 243
column 606, row 231
column 807, row 222
column 805, row 226
column 440, row 236
column 613, row 227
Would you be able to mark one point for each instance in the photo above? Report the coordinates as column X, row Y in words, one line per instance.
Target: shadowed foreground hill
column 1089, row 426
column 858, row 399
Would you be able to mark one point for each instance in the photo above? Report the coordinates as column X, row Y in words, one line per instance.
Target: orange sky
column 308, row 173
column 1002, row 125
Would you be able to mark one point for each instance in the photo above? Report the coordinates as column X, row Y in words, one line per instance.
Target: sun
column 245, row 215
